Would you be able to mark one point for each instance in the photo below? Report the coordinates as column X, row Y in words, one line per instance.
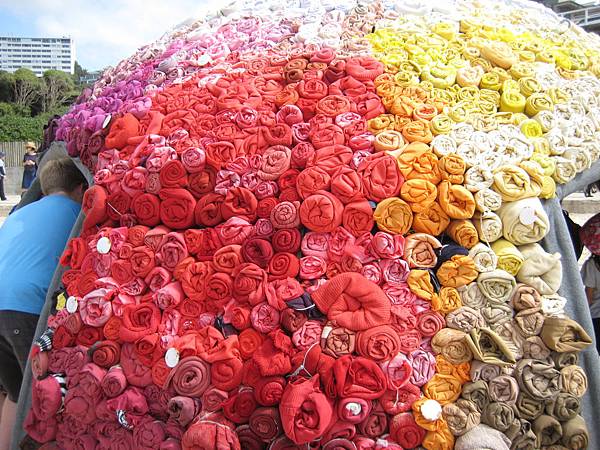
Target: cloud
column 105, row 31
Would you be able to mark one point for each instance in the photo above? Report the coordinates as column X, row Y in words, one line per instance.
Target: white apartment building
column 37, row 54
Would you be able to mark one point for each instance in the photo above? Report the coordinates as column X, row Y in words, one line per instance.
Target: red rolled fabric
column 202, row 182
column 285, row 215
column 172, row 251
column 266, row 423
column 430, row 322
column 305, row 411
column 213, row 399
column 121, row 130
column 94, row 206
column 183, row 409
column 380, row 176
column 239, row 406
column 269, row 390
column 353, row 302
column 227, row 258
column 139, row 320
column 149, row 434
column 301, row 153
column 74, row 254
column 273, row 356
column 239, row 202
column 265, row 206
column 353, row 409
column 239, row 317
column 325, row 134
column 248, row 438
column 208, row 209
column 355, row 377
column 275, row 161
column 376, row 424
column 321, row 212
column 249, row 283
column 357, row 217
column 257, row 251
column 346, row 184
column 312, row 180
column 380, row 343
column 249, row 340
column 190, row 378
column 333, row 105
column 209, row 435
column 364, row 68
column 283, row 265
column 405, row 431
column 135, row 371
column 331, row 158
column 177, row 208
column 292, row 320
column 287, row 240
column 105, row 354
column 88, row 336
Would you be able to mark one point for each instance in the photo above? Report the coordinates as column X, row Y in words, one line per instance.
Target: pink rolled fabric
column 423, row 365
column 95, row 308
column 315, row 244
column 264, row 317
column 312, row 267
column 169, row 296
column 47, row 396
column 307, row 335
column 386, row 245
column 353, row 409
column 285, row 215
column 395, row 402
column 157, row 278
column 172, row 250
column 193, row 159
column 394, row 270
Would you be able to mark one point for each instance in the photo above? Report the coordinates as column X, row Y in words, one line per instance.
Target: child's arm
column 589, row 292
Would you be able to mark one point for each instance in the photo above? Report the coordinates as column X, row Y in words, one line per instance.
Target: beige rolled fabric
column 540, row 270
column 524, row 221
column 497, row 286
column 488, row 225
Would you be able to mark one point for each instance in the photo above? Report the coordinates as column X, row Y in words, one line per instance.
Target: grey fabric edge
column 579, row 183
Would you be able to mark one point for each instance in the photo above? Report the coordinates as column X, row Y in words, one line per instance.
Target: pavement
column 6, row 206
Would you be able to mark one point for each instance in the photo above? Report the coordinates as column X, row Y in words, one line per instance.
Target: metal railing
column 583, row 17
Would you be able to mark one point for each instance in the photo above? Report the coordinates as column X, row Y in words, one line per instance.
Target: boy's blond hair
column 60, row 175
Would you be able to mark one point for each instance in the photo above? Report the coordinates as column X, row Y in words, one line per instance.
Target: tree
column 78, row 72
column 27, row 87
column 7, row 81
column 57, row 89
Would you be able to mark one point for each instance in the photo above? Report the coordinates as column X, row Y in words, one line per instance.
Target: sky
column 105, row 31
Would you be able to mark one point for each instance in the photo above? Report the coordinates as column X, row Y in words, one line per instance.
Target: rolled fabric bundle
column 497, row 286
column 447, row 301
column 456, row 201
column 537, row 379
column 463, row 232
column 510, row 258
column 353, row 410
column 381, row 177
column 183, row 409
column 461, row 416
column 512, row 101
column 337, row 341
column 563, row 406
column 346, row 184
column 388, row 140
column 209, row 434
column 433, row 221
column 311, row 180
column 562, row 334
column 304, row 397
column 540, row 270
column 452, row 168
column 114, row 382
column 488, row 225
column 498, row 415
column 484, row 258
column 478, row 178
column 266, row 423
column 177, row 208
column 248, row 439
column 529, row 408
column 457, row 271
column 513, row 183
column 419, row 283
column 530, row 321
column 472, row 296
column 419, row 194
column 190, row 377
column 482, row 437
column 405, row 431
column 547, row 429
column 380, row 343
column 393, row 215
column 358, row 218
column 534, row 348
column 452, row 345
column 573, row 381
column 465, row 319
column 564, row 171
column 503, row 389
column 565, row 359
column 429, row 323
column 339, row 297
column 321, row 212
column 477, row 392
column 575, row 433
column 420, row 250
column 443, row 388
column 423, row 365
column 417, row 161
column 355, row 376
column 537, row 102
column 483, row 371
column 489, row 348
column 375, row 424
column 487, row 200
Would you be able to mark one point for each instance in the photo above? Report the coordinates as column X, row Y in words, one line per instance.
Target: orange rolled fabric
column 417, row 131
column 463, row 232
column 443, row 388
column 457, row 271
column 388, row 140
column 419, row 194
column 417, row 161
column 424, row 111
column 452, row 168
column 393, row 215
column 441, row 439
column 321, row 212
column 432, row 221
column 419, row 283
column 447, row 300
column 456, row 201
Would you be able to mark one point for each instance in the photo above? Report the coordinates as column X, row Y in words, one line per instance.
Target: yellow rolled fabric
column 468, row 93
column 510, row 258
column 452, row 168
column 512, row 101
column 490, row 80
column 504, row 118
column 381, row 123
column 470, row 53
column 388, row 140
column 393, row 215
column 445, row 30
column 455, row 200
column 524, row 221
column 502, row 73
column 441, row 124
column 490, row 96
column 486, row 107
column 513, row 183
column 529, row 85
column 419, row 194
column 548, row 188
column 419, row 283
column 499, row 54
column 541, row 146
column 526, row 56
column 440, row 75
column 558, row 95
column 463, row 232
column 545, row 56
column 460, row 112
column 531, row 129
column 518, row 118
column 485, row 123
column 417, row 161
column 488, row 225
column 538, row 102
column 483, row 63
column 535, row 172
column 522, row 70
column 469, row 76
column 564, row 171
column 510, row 85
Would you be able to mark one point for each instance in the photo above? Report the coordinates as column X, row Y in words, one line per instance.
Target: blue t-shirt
column 32, row 240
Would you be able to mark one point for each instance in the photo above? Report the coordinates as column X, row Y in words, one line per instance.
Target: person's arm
column 589, row 292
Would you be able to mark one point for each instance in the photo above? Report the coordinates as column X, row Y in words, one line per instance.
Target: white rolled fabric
column 488, row 225
column 497, row 286
column 580, row 156
column 470, row 153
column 553, row 305
column 524, row 221
column 462, row 132
column 487, row 200
column 484, row 258
column 472, row 296
column 564, row 171
column 540, row 270
column 478, row 178
column 443, row 145
column 546, row 120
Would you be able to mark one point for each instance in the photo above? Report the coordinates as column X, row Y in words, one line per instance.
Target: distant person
column 29, row 165
column 590, row 272
column 2, row 176
column 28, row 259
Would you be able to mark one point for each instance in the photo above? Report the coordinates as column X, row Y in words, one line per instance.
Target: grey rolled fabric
column 498, row 415
column 534, row 348
column 563, row 406
column 522, row 436
column 472, row 296
column 461, row 416
column 528, row 407
column 540, row 270
column 483, row 371
column 482, row 437
column 538, row 379
column 575, row 434
column 465, row 319
column 504, row 389
column 478, row 393
column 547, row 429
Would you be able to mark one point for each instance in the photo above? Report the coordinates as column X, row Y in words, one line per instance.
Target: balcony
column 588, row 17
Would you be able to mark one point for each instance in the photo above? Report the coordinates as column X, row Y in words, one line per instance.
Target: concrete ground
column 6, row 206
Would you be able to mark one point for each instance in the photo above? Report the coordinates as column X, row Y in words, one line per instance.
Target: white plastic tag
column 103, row 245
column 72, row 304
column 172, row 357
column 527, row 216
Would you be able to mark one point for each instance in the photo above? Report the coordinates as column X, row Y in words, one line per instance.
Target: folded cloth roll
column 488, row 225
column 447, row 301
column 478, row 393
column 510, row 258
column 498, row 415
column 513, row 183
column 472, row 296
column 497, row 286
column 564, row 359
column 483, row 371
column 443, row 388
column 575, row 433
column 206, row 433
column 547, row 429
column 419, row 282
column 419, row 194
column 540, row 270
column 190, row 378
column 452, row 345
column 487, row 200
column 398, row 371
column 321, row 212
column 504, row 389
column 353, row 302
column 354, row 376
column 484, row 258
column 420, row 250
column 455, row 200
column 463, row 232
column 524, row 221
column 562, row 334
column 573, row 380
column 530, row 321
column 380, row 176
column 177, row 208
column 563, row 406
column 393, row 215
column 266, row 423
column 380, row 343
column 482, row 437
column 433, row 221
column 489, row 348
column 461, row 416
column 183, row 409
column 458, row 271
column 529, row 408
column 353, row 410
column 525, row 297
column 478, row 179
column 337, row 341
column 465, row 319
column 537, row 379
column 405, row 431
column 452, row 168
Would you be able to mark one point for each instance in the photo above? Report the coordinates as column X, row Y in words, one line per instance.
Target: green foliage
column 7, row 81
column 17, row 128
